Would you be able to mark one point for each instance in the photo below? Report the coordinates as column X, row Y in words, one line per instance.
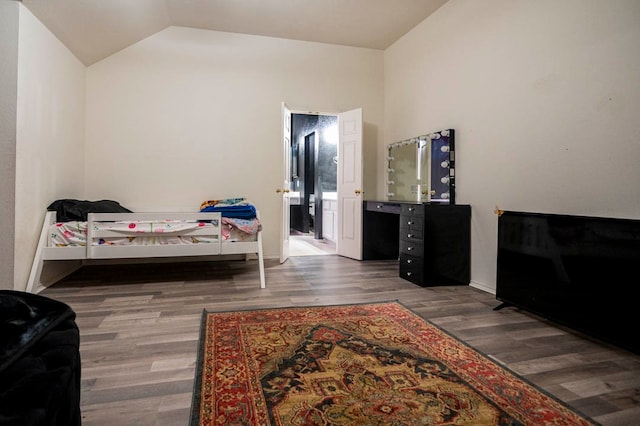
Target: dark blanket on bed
column 238, row 211
column 68, row 210
column 39, row 361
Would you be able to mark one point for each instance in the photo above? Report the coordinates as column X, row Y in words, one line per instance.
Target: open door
column 349, row 221
column 284, row 191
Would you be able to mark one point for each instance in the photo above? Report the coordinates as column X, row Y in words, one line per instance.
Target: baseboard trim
column 482, row 287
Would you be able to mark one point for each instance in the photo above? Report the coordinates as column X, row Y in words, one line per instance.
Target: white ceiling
column 95, row 29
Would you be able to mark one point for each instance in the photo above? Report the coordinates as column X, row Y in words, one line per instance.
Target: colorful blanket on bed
column 152, row 226
column 250, row 227
column 72, row 233
column 144, row 232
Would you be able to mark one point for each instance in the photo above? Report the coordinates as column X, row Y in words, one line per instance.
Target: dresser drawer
column 412, row 272
column 411, row 233
column 409, row 210
column 382, row 207
column 413, row 248
column 410, row 261
column 411, row 221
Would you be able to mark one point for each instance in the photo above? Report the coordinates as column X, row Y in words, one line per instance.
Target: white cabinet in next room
column 329, row 218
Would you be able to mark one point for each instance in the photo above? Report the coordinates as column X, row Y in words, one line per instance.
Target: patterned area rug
column 367, row 364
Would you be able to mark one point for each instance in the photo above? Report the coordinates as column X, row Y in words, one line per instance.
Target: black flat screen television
column 578, row 271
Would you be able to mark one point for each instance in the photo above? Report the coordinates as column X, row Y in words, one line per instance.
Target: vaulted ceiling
column 95, row 29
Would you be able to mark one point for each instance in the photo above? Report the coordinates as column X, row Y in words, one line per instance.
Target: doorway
column 314, row 150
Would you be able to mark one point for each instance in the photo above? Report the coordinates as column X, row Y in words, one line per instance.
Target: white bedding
column 65, row 234
column 163, row 232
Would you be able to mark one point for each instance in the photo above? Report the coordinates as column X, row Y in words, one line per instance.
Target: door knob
column 278, row 191
column 358, row 192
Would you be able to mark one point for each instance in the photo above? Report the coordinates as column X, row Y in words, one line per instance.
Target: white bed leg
column 33, row 283
column 261, row 261
column 36, row 273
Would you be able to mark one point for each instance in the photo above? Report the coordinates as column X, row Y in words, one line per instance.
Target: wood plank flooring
column 139, row 327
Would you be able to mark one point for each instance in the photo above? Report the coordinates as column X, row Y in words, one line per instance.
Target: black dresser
column 431, row 241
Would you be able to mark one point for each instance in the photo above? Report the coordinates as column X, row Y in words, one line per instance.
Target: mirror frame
column 434, row 152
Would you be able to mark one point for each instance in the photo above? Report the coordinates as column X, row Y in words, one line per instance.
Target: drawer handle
column 379, row 206
column 409, row 248
column 410, row 222
column 408, row 274
column 409, row 235
column 410, row 209
column 409, row 261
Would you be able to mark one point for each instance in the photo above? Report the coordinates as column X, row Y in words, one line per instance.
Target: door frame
column 285, row 216
column 285, row 146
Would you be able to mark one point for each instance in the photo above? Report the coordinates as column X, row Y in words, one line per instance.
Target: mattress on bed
column 153, row 226
column 155, row 232
column 74, row 233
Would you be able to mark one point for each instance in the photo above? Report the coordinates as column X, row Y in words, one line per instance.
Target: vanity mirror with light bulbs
column 419, row 224
column 422, row 169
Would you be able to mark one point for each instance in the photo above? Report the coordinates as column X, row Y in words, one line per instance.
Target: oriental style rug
column 365, row 364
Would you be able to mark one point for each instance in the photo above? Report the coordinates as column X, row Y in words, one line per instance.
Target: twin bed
column 113, row 232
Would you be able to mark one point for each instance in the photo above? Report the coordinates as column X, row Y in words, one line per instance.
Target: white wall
column 9, row 16
column 544, row 97
column 49, row 133
column 190, row 115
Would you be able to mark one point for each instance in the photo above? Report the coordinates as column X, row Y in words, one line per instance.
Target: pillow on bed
column 68, row 210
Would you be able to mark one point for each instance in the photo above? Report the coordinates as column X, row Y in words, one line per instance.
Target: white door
column 349, row 224
column 284, row 191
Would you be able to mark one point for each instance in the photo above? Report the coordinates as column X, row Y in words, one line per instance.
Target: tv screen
column 576, row 270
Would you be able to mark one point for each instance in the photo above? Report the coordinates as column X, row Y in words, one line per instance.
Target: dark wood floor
column 139, row 328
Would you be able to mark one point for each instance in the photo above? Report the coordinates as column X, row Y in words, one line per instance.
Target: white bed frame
column 45, row 252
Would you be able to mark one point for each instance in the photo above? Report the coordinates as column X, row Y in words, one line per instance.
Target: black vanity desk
column 431, row 241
